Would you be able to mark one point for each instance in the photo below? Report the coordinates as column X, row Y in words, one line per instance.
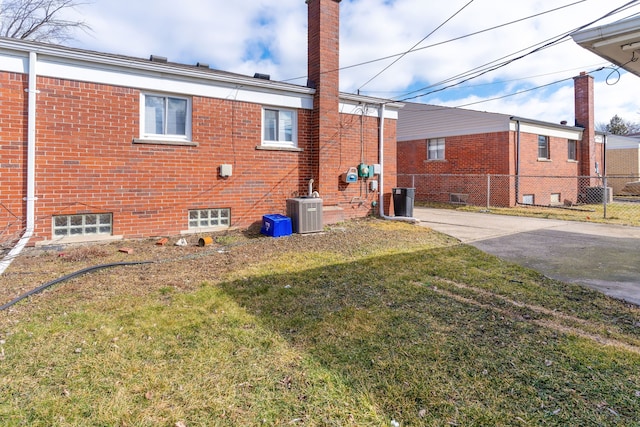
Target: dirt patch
column 188, row 267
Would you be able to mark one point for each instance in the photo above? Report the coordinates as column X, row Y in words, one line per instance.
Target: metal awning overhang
column 618, row 42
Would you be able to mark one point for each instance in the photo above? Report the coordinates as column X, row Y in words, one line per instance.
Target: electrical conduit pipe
column 381, row 189
column 31, row 166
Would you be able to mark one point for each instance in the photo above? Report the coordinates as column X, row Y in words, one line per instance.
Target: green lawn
column 617, row 212
column 403, row 327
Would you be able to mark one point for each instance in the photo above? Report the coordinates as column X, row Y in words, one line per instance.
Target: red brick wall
column 13, row 153
column 479, row 154
column 534, row 171
column 87, row 162
column 467, row 154
column 494, row 154
column 558, row 164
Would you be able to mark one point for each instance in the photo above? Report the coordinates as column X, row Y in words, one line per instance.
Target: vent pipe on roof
column 202, row 65
column 156, row 58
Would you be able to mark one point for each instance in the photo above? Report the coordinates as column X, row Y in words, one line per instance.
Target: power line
column 554, row 41
column 482, row 69
column 517, row 93
column 437, row 108
column 443, row 42
column 501, row 82
column 415, row 45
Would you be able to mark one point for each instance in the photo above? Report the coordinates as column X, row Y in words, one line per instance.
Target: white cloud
column 266, row 36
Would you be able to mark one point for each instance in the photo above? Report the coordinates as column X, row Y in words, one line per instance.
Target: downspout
column 604, row 155
column 381, row 178
column 517, row 161
column 31, row 167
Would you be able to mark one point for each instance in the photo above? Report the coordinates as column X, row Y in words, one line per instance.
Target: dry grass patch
column 367, row 323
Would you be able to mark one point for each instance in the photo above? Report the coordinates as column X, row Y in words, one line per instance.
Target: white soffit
column 618, row 42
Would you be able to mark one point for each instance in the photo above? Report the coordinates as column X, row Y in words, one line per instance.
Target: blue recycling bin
column 276, row 225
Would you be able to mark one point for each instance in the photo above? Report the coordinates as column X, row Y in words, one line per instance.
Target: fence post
column 488, row 190
column 604, row 196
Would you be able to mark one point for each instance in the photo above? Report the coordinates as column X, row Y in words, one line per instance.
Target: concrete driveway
column 601, row 256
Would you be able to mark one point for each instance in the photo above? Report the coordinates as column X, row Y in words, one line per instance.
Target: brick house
column 623, row 164
column 454, row 144
column 98, row 146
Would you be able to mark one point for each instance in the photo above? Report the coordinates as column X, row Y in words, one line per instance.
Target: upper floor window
column 165, row 117
column 279, row 127
column 543, row 147
column 435, row 149
column 572, row 147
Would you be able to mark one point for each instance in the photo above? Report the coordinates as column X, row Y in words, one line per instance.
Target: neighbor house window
column 572, row 147
column 435, row 149
column 527, row 199
column 279, row 127
column 543, row 147
column 82, row 225
column 165, row 117
column 207, row 218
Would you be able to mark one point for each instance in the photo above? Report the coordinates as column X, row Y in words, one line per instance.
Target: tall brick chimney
column 584, row 111
column 323, row 62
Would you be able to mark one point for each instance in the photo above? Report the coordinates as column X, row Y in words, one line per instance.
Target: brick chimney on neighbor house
column 323, row 62
column 584, row 111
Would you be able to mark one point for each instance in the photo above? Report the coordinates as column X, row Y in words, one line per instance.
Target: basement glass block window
column 203, row 218
column 82, row 225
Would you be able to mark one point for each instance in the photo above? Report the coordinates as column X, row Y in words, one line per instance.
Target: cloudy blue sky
column 269, row 36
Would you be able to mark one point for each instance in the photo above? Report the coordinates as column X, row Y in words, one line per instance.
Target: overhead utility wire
column 415, row 46
column 519, row 92
column 501, row 82
column 559, row 37
column 556, row 40
column 480, row 68
column 429, row 107
column 443, row 42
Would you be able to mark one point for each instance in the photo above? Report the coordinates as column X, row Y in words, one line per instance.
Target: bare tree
column 38, row 20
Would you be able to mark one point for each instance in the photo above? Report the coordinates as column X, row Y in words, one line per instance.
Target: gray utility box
column 305, row 214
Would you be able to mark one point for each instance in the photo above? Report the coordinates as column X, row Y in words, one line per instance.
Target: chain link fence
column 613, row 198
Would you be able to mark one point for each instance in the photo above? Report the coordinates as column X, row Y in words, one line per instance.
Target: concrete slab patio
column 601, row 256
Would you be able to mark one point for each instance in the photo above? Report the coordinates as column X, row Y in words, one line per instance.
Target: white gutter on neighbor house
column 381, row 186
column 31, row 166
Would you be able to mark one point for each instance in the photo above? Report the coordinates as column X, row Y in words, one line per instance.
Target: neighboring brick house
column 622, row 164
column 454, row 144
column 99, row 146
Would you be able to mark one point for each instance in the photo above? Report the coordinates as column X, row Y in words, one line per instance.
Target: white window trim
column 160, row 138
column 294, row 129
column 575, row 150
column 548, row 147
column 438, row 142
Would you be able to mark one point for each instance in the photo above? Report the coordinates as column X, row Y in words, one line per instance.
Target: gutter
column 31, row 166
column 381, row 189
column 61, row 54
